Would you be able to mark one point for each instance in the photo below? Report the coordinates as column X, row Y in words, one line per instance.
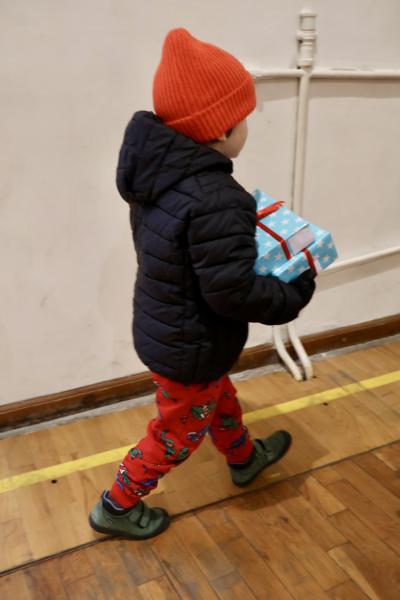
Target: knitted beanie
column 199, row 89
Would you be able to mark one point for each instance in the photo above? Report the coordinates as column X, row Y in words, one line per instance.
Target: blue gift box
column 280, row 235
column 319, row 255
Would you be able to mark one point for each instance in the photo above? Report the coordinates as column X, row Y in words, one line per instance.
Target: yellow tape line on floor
column 321, row 397
column 115, row 455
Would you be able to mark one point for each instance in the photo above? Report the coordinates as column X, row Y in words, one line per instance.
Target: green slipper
column 140, row 523
column 267, row 452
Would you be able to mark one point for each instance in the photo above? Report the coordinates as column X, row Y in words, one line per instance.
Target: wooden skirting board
column 47, row 407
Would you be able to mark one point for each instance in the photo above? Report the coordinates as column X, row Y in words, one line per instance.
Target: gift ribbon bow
column 264, row 212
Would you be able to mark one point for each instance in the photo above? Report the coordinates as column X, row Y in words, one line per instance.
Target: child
column 196, row 290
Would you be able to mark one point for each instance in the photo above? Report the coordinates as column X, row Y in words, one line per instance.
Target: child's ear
column 221, row 138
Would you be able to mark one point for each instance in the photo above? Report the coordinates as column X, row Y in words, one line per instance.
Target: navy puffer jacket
column 193, row 228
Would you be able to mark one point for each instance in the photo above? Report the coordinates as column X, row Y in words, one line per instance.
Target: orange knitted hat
column 199, row 89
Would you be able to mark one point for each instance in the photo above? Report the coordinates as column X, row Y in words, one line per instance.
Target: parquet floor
column 305, row 531
column 330, row 535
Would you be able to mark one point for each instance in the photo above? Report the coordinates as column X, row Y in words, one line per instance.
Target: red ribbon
column 268, row 211
column 310, row 259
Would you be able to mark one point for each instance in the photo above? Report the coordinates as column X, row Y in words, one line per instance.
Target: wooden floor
column 331, row 532
column 333, row 535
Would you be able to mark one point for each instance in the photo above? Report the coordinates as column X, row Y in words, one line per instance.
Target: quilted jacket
column 194, row 233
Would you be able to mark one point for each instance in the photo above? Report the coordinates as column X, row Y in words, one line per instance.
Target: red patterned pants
column 185, row 414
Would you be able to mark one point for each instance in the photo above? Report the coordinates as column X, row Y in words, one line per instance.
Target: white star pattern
column 287, row 224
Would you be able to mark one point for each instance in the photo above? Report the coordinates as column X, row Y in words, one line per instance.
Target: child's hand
column 294, row 297
column 305, row 284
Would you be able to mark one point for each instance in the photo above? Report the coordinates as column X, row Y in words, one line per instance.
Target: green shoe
column 140, row 523
column 267, row 452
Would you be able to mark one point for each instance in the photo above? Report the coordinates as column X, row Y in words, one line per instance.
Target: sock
column 239, row 466
column 112, row 506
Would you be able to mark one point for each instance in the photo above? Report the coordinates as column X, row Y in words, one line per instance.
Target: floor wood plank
column 380, row 472
column 348, row 591
column 15, row 586
column 317, row 495
column 309, row 588
column 370, row 488
column 384, row 562
column 233, row 587
column 111, row 573
column 370, row 514
column 255, row 571
column 193, row 536
column 363, row 572
column 182, row 570
column 44, row 581
column 157, row 589
column 218, row 523
column 270, row 532
column 327, row 475
column 306, row 516
column 297, row 532
column 139, row 560
column 390, row 456
column 87, row 588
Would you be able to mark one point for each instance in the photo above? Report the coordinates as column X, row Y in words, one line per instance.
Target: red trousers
column 185, row 414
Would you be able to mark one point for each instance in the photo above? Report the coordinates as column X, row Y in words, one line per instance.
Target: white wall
column 72, row 74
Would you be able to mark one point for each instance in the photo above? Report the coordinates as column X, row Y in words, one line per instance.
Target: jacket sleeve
column 223, row 252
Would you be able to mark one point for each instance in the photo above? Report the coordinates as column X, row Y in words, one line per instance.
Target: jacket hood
column 154, row 157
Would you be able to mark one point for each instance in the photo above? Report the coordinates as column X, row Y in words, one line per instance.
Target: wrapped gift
column 280, row 235
column 317, row 256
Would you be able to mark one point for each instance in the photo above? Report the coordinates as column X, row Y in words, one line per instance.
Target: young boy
column 196, row 290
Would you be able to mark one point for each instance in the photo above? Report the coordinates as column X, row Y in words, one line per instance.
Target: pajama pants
column 185, row 414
